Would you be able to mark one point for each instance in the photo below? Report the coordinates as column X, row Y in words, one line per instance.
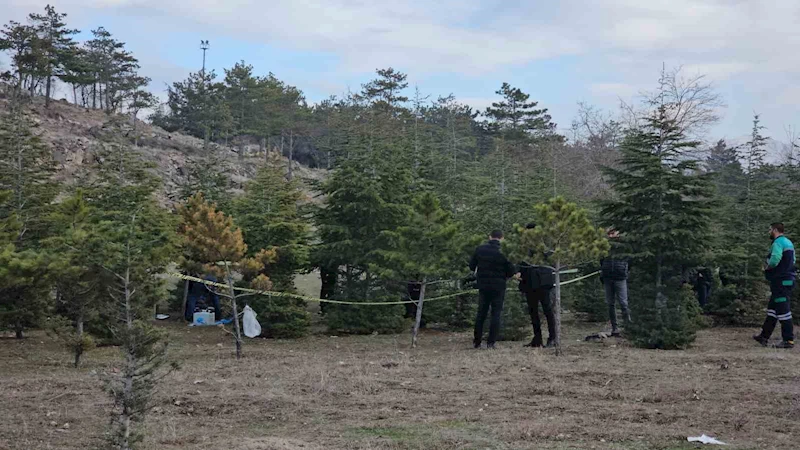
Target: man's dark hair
column 530, row 226
column 778, row 226
column 496, row 234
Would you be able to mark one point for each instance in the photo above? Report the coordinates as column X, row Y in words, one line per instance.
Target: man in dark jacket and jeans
column 493, row 269
column 614, row 275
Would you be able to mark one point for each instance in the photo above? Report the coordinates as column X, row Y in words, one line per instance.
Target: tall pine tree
column 663, row 211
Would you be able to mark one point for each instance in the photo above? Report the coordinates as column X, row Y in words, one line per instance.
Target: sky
column 560, row 52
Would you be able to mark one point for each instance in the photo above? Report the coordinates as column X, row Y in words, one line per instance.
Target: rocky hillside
column 76, row 135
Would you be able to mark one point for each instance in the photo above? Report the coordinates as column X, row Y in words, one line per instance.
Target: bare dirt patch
column 373, row 392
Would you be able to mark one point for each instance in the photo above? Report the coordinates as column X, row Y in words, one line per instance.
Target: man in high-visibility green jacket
column 781, row 273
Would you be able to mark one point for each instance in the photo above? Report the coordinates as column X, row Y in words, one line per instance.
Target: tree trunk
column 19, row 330
column 557, row 309
column 79, row 332
column 291, row 153
column 237, row 327
column 418, row 319
column 185, row 297
column 130, row 370
column 47, row 92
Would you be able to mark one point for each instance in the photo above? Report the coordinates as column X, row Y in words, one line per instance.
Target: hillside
column 76, row 135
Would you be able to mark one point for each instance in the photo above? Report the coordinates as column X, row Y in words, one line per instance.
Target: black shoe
column 761, row 340
column 550, row 343
column 784, row 344
column 616, row 333
column 535, row 343
column 491, row 346
column 476, row 345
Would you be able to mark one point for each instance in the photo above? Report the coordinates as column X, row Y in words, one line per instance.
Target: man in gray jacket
column 614, row 275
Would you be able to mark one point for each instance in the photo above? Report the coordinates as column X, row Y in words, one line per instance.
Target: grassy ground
column 373, row 392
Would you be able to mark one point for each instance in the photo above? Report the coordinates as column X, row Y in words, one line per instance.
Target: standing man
column 780, row 272
column 493, row 269
column 537, row 292
column 614, row 276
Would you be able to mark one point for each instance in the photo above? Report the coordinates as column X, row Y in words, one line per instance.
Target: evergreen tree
column 517, row 118
column 269, row 217
column 19, row 40
column 207, row 174
column 663, row 212
column 565, row 230
column 133, row 254
column 197, row 107
column 738, row 299
column 210, row 235
column 360, row 205
column 522, row 134
column 26, row 168
column 424, row 250
column 53, row 47
column 74, row 273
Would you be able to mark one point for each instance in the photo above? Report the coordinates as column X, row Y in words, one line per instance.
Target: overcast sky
column 561, row 52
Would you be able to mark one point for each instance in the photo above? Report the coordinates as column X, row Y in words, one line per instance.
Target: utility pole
column 204, row 45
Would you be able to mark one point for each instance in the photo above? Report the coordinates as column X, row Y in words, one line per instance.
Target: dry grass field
column 374, row 392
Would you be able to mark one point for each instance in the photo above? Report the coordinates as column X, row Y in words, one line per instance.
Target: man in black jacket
column 614, row 275
column 493, row 269
column 536, row 292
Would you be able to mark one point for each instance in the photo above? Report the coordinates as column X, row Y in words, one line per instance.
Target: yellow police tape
column 340, row 302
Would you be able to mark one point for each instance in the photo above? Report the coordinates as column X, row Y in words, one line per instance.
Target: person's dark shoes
column 491, row 346
column 784, row 344
column 536, row 342
column 616, row 333
column 476, row 344
column 550, row 343
column 761, row 340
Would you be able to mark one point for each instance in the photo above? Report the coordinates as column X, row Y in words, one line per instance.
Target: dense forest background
column 392, row 167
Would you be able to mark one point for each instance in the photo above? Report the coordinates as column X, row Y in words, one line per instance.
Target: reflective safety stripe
column 771, row 313
column 780, row 299
column 788, row 283
column 787, row 316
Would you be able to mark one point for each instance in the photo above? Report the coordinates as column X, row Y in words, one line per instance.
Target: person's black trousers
column 489, row 298
column 779, row 309
column 534, row 298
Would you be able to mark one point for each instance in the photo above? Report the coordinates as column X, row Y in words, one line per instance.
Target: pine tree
column 132, row 255
column 516, row 118
column 210, row 235
column 758, row 207
column 269, row 217
column 565, row 230
column 73, row 270
column 197, row 106
column 53, row 47
column 19, row 41
column 738, row 297
column 663, row 212
column 424, row 250
column 522, row 134
column 26, row 167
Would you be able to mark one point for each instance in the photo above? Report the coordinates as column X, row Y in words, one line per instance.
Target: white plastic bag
column 251, row 326
column 705, row 440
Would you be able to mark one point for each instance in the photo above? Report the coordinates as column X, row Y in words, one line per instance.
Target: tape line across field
column 343, row 302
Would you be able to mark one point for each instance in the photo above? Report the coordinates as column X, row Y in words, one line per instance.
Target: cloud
column 617, row 90
column 619, row 45
column 482, row 36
